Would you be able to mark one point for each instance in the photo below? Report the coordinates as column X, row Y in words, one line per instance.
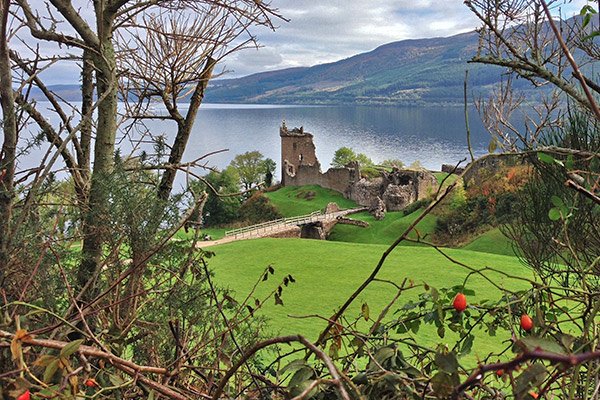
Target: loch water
column 430, row 135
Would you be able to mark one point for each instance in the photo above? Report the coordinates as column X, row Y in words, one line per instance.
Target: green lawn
column 492, row 241
column 292, row 201
column 442, row 175
column 326, row 273
column 385, row 231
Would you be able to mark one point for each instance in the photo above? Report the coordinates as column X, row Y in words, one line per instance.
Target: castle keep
column 392, row 190
column 300, row 165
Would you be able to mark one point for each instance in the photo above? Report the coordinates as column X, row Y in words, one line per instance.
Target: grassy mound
column 326, row 273
column 292, row 201
column 492, row 241
column 384, row 231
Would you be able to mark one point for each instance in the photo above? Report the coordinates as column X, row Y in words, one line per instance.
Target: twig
column 371, row 277
column 591, row 101
column 582, row 190
column 283, row 339
column 467, row 117
column 129, row 367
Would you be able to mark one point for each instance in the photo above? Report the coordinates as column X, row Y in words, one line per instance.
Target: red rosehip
column 90, row 382
column 526, row 322
column 499, row 372
column 460, row 302
column 25, row 396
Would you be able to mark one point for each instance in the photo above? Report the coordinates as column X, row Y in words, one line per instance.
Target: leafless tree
column 520, row 36
column 164, row 50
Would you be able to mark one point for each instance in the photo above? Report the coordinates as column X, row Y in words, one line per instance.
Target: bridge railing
column 270, row 225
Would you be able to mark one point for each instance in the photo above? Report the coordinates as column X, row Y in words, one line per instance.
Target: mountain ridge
column 412, row 71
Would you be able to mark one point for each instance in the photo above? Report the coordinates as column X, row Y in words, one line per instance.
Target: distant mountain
column 404, row 72
column 408, row 72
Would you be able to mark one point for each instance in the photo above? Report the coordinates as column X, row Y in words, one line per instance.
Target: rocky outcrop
column 364, row 192
column 397, row 197
column 452, row 169
column 350, row 221
column 378, row 208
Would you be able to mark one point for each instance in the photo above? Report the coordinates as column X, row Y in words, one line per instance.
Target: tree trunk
column 183, row 131
column 9, row 144
column 96, row 218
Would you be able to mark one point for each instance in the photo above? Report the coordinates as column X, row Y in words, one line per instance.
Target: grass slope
column 326, row 273
column 384, row 231
column 492, row 241
column 292, row 201
column 300, row 200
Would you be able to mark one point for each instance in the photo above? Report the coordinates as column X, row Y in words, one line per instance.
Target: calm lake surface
column 431, row 135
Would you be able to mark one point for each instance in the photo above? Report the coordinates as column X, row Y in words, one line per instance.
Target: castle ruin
column 395, row 190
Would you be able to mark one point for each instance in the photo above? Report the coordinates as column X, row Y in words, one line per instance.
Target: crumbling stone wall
column 396, row 189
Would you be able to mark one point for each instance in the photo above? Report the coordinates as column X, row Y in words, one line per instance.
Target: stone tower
column 297, row 149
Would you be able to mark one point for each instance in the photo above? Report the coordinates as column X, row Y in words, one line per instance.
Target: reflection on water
column 431, row 135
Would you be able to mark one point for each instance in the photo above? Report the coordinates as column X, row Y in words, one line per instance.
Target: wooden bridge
column 278, row 226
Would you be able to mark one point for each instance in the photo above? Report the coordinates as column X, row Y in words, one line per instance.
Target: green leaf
column 467, row 345
column 587, row 9
column 530, row 378
column 364, row 309
column 591, row 35
column 554, row 214
column 50, row 370
column 116, row 380
column 545, row 344
column 586, row 20
column 71, row 348
column 293, row 366
column 567, row 341
column 300, row 380
column 443, row 384
column 570, row 162
column 545, row 158
column 360, row 379
column 441, row 331
column 384, row 354
column 446, row 361
column 557, row 201
column 49, row 392
column 493, row 146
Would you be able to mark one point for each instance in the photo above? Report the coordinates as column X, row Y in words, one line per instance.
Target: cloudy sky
column 321, row 31
column 329, row 30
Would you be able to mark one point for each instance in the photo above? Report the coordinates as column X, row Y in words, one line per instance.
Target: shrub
column 258, row 209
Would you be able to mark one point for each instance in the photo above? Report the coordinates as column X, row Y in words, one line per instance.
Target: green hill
column 292, row 201
column 404, row 72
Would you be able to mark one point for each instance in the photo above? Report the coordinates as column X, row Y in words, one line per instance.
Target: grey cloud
column 322, row 31
column 327, row 31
